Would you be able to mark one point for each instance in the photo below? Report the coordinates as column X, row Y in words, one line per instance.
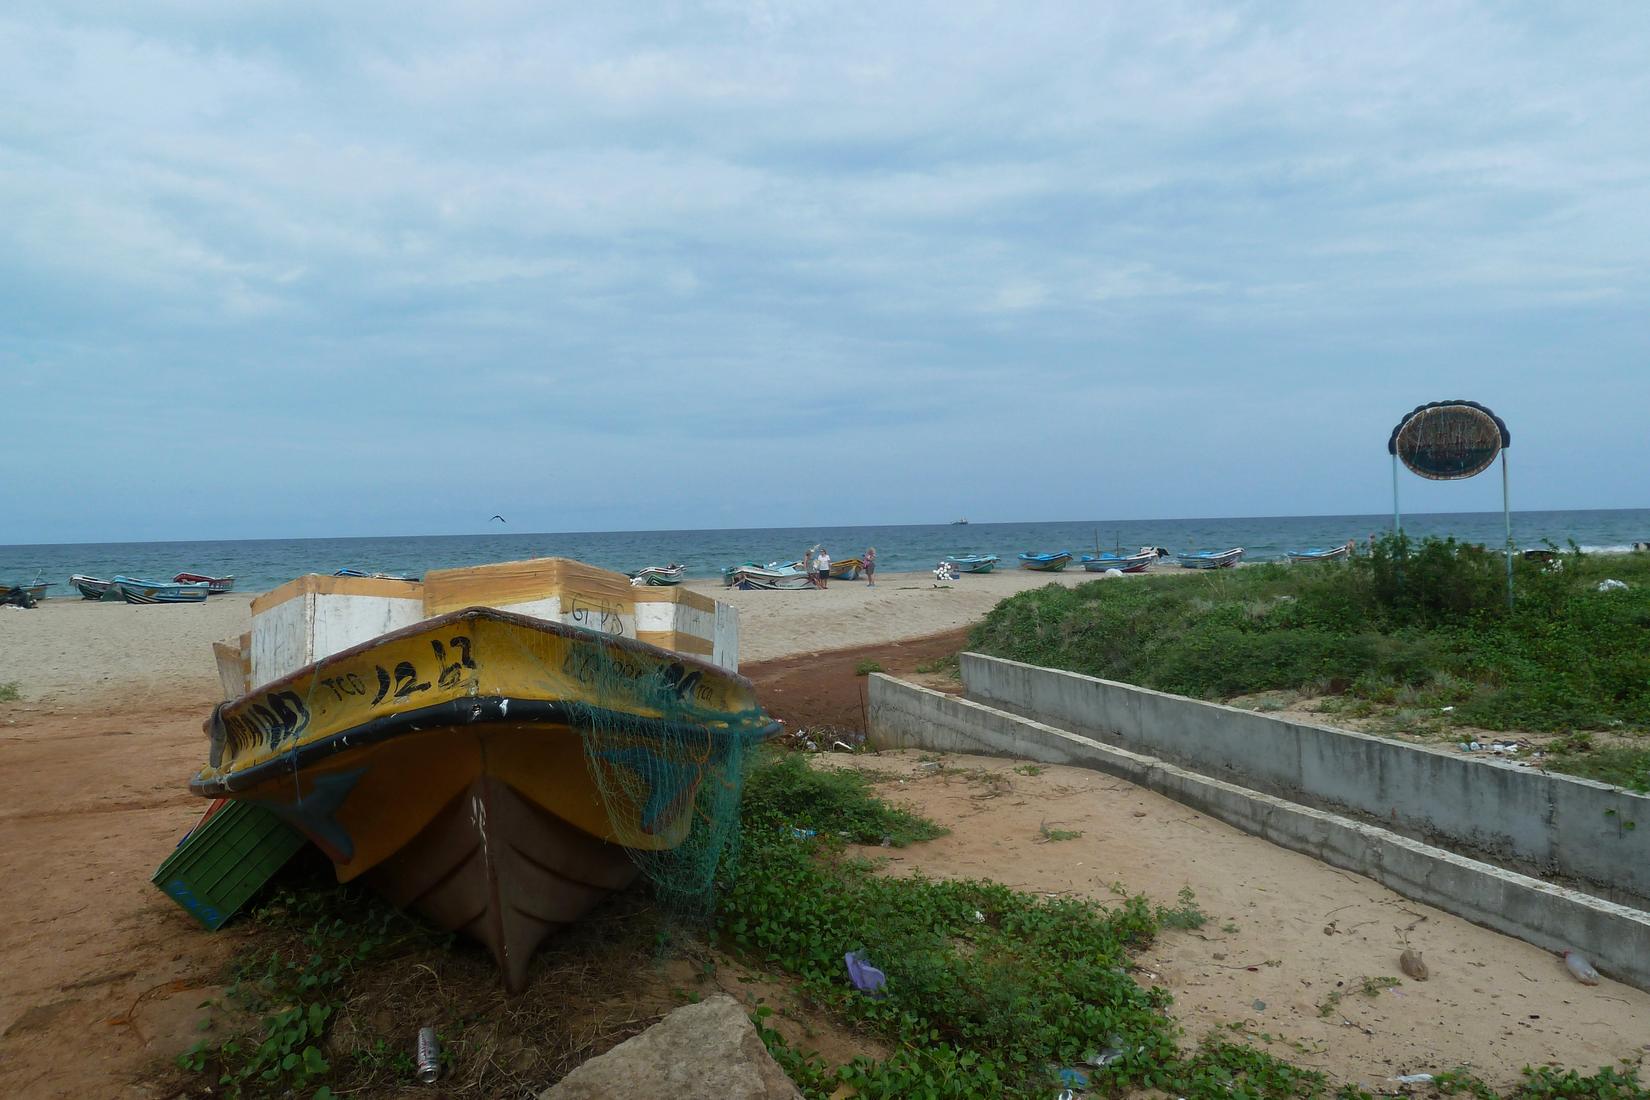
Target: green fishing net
column 669, row 768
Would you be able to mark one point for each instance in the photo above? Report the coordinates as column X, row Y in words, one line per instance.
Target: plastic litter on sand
column 1580, row 967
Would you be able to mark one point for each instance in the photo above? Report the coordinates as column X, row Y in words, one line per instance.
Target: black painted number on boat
column 281, row 716
column 405, row 680
column 453, row 674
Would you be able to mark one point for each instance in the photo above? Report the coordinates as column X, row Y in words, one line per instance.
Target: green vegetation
column 1369, row 987
column 865, row 668
column 320, row 934
column 10, row 692
column 1049, row 834
column 990, row 991
column 1398, row 635
column 948, row 666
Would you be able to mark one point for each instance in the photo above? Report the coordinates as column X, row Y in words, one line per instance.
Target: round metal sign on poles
column 1448, row 441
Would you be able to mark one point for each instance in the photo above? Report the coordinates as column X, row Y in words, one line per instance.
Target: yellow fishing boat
column 497, row 772
column 847, row 569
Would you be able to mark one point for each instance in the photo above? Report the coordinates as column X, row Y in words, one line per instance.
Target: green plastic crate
column 223, row 861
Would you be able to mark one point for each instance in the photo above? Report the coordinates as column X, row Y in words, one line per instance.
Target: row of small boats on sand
column 1149, row 555
column 791, row 575
column 787, row 575
column 183, row 588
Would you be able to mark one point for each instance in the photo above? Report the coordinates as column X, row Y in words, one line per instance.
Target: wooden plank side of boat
column 1319, row 554
column 1211, row 559
column 460, row 745
column 1124, row 563
column 494, row 866
column 90, row 588
column 1046, row 563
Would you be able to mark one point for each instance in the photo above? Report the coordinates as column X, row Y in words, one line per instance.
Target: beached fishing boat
column 1046, row 563
column 500, row 774
column 374, row 576
column 1319, row 554
column 1124, row 563
column 24, row 594
column 90, row 588
column 216, row 586
column 133, row 590
column 1211, row 559
column 770, row 576
column 729, row 571
column 659, row 574
column 847, row 569
column 973, row 563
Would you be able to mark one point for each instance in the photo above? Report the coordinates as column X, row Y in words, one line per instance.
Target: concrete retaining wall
column 1615, row 937
column 1586, row 834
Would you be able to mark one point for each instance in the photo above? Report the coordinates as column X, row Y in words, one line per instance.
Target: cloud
column 299, row 237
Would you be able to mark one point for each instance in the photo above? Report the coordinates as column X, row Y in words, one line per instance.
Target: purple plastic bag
column 866, row 978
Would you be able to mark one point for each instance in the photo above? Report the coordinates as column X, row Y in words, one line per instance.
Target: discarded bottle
column 1414, row 1079
column 1580, row 967
column 429, row 1055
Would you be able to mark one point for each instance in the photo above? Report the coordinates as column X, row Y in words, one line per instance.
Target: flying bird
column 501, row 519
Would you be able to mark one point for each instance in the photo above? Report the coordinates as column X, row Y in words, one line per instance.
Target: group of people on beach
column 818, row 563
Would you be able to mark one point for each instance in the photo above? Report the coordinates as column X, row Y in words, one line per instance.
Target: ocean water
column 261, row 564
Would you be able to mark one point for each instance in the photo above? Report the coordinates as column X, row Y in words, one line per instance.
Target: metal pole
column 1397, row 524
column 1506, row 511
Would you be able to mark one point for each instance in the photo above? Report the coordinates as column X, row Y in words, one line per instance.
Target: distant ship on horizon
column 959, row 522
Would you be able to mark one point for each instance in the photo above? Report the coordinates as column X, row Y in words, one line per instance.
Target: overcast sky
column 276, row 269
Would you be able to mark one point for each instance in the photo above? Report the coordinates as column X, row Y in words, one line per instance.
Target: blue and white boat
column 1123, row 563
column 133, row 590
column 1211, row 559
column 1319, row 554
column 973, row 563
column 1046, row 563
column 770, row 576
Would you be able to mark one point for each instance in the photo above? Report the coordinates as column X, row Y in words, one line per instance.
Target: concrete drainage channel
column 1615, row 936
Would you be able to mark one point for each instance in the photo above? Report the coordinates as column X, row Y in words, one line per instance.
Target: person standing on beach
column 822, row 568
column 870, row 561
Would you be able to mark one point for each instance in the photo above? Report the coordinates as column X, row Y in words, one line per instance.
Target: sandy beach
column 107, row 729
column 66, row 652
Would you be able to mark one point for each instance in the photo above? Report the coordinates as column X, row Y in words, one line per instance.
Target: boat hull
column 1300, row 556
column 216, row 586
column 749, row 579
column 10, row 593
column 146, row 592
column 974, row 563
column 494, row 865
column 90, row 588
column 1045, row 563
column 1131, row 563
column 1225, row 559
column 453, row 765
column 658, row 576
column 848, row 569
